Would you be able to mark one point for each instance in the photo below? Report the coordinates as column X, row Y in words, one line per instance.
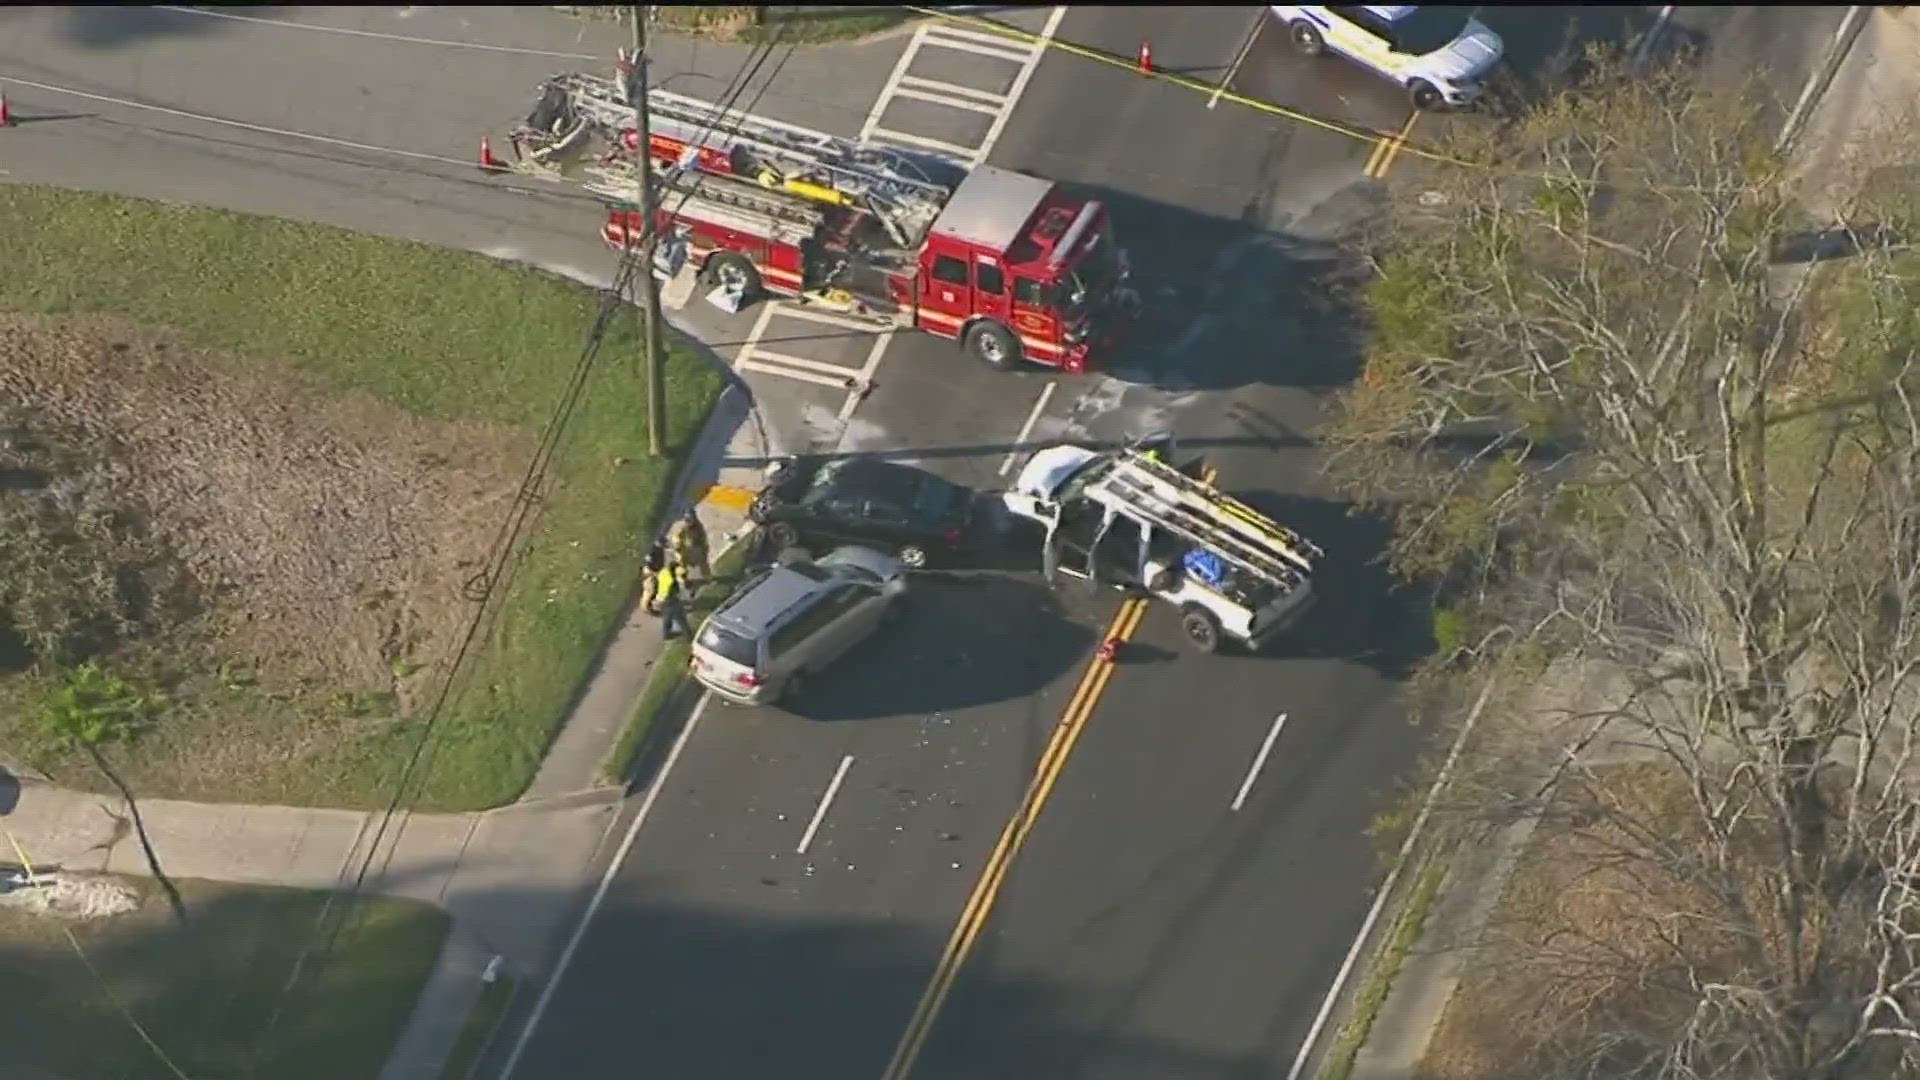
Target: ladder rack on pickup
column 1170, row 499
column 810, row 164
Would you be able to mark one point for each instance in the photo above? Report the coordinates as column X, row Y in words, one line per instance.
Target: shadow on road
column 967, row 640
column 1362, row 613
column 22, row 119
column 1255, row 439
column 822, row 997
column 1227, row 304
column 121, row 27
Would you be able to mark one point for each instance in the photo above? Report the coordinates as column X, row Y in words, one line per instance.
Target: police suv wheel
column 1307, row 40
column 995, row 344
column 1425, row 97
column 1201, row 627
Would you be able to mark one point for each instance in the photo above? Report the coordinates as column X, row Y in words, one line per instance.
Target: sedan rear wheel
column 913, row 557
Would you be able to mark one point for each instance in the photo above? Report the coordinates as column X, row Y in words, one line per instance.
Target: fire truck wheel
column 735, row 273
column 1201, row 627
column 995, row 344
column 1306, row 40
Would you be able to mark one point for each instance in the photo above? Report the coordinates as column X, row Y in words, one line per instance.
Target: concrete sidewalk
column 510, row 878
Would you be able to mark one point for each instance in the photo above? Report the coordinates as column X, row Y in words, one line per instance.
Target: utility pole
column 653, row 346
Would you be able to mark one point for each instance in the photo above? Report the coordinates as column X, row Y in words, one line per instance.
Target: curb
column 1314, row 1046
column 1816, row 88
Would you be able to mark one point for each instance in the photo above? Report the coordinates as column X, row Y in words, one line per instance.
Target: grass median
column 206, row 994
column 1375, row 983
column 316, row 435
column 669, row 675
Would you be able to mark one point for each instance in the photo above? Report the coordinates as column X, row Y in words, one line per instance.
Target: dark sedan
column 816, row 504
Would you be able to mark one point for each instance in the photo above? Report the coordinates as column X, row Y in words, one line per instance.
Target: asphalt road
column 725, row 952
column 955, row 710
column 1148, row 928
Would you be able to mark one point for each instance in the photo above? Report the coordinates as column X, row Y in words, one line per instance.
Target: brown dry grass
column 1571, row 924
column 326, row 535
column 344, row 517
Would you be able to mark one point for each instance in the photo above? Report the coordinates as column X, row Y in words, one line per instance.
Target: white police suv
column 1439, row 54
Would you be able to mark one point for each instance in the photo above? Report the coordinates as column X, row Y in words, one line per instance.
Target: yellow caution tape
column 1352, row 131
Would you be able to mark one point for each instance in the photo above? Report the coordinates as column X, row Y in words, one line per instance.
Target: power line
column 491, row 581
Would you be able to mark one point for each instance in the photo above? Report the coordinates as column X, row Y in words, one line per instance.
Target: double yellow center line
column 1388, row 147
column 1053, row 760
column 974, row 916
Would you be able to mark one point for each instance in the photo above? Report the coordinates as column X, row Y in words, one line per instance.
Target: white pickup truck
column 1127, row 519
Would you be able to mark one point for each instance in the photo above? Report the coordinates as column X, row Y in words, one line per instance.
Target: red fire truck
column 1012, row 266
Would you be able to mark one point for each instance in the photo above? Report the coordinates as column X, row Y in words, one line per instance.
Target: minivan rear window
column 728, row 645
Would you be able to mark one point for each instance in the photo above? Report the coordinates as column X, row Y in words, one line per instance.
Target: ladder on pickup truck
column 577, row 109
column 1169, row 499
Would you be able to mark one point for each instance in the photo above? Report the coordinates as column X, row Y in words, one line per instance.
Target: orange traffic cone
column 6, row 114
column 1144, row 61
column 489, row 163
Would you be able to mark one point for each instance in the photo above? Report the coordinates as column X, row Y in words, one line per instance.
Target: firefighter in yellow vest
column 670, row 599
column 650, row 569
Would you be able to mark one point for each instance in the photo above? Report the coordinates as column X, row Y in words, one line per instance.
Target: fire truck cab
column 1017, row 269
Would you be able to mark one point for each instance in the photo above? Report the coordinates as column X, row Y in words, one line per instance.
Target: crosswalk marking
column 948, row 37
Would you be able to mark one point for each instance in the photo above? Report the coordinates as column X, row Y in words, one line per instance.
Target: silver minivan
column 792, row 620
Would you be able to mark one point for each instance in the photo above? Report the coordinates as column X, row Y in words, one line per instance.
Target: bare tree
column 91, row 711
column 1601, row 409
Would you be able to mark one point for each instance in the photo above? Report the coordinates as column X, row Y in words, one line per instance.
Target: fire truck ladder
column 810, row 164
column 1246, row 538
column 733, row 203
